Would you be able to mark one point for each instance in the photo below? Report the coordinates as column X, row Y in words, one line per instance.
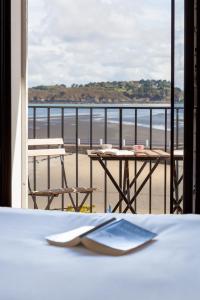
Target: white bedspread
column 168, row 269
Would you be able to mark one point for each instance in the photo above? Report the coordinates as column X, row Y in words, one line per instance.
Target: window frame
column 14, row 106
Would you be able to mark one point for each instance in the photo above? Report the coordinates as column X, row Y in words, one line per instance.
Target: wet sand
column 157, row 137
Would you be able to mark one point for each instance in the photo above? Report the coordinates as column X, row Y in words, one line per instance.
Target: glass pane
column 99, row 72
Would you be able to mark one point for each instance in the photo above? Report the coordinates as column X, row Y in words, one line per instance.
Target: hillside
column 142, row 91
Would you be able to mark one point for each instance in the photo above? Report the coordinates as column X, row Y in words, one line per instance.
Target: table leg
column 128, row 191
column 142, row 185
column 126, row 182
column 130, row 185
column 123, row 196
column 176, row 200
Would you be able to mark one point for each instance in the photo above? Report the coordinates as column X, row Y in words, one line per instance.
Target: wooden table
column 145, row 156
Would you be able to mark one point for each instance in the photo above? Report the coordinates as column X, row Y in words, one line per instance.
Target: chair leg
column 78, row 209
column 64, row 178
column 34, row 202
column 49, row 202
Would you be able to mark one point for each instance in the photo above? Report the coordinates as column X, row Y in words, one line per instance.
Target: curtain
column 192, row 114
column 5, row 103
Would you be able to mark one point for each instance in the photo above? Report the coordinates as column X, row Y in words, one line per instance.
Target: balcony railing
column 86, row 127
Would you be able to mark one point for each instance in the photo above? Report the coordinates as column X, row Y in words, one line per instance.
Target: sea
column 156, row 115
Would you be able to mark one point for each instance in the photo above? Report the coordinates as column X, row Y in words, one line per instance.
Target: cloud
column 78, row 41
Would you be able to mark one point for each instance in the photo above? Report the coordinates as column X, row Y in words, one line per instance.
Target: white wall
column 19, row 103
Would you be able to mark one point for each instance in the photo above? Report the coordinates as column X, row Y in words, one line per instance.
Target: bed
column 168, row 269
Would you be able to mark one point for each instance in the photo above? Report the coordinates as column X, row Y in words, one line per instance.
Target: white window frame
column 19, row 103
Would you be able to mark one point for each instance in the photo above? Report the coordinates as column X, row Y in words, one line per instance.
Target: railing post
column 105, row 138
column 172, row 103
column 77, row 148
column 91, row 164
column 120, row 147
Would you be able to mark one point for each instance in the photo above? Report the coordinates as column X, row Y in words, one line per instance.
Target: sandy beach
column 144, row 203
column 143, row 206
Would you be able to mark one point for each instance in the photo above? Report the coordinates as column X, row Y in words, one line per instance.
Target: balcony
column 86, row 127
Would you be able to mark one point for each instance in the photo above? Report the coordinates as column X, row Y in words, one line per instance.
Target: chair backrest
column 53, row 147
column 49, row 147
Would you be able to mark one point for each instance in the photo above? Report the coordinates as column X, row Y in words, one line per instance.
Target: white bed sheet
column 30, row 269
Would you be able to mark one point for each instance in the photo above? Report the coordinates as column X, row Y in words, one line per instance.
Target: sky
column 81, row 41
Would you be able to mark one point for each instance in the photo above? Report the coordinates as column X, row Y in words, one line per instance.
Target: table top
column 146, row 154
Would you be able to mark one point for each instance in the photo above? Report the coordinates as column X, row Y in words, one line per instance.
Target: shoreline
column 131, row 134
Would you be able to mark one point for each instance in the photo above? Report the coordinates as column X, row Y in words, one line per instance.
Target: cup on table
column 106, row 146
column 138, row 147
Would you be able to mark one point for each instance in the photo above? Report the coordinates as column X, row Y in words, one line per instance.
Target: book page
column 106, row 151
column 69, row 238
column 116, row 152
column 125, row 153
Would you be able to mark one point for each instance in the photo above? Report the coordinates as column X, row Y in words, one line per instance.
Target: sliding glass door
column 109, row 74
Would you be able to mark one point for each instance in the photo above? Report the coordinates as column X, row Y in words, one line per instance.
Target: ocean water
column 160, row 117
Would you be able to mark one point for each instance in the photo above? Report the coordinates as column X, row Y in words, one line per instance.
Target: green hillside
column 142, row 91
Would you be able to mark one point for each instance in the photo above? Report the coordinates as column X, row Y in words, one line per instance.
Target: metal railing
column 86, row 127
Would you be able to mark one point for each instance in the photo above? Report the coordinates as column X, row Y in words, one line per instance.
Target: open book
column 114, row 237
column 113, row 151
